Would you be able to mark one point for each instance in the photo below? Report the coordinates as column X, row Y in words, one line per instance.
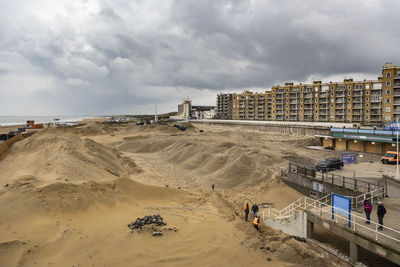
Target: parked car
column 390, row 157
column 329, row 164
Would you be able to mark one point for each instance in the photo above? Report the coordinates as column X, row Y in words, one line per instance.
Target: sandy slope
column 67, row 195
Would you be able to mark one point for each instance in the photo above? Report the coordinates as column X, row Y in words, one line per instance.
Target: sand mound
column 58, row 157
column 68, row 197
column 92, row 128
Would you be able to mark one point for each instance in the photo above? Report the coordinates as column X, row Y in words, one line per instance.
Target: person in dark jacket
column 368, row 209
column 246, row 210
column 381, row 212
column 254, row 208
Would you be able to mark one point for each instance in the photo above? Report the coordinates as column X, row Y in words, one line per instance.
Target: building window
column 316, row 100
column 287, row 112
column 301, row 100
column 367, row 86
column 287, row 117
column 366, row 112
column 366, row 117
column 273, row 112
column 301, row 117
column 387, row 109
column 331, row 111
column 387, row 118
column 349, row 93
column 367, row 99
column 287, row 90
column 316, row 106
column 348, row 105
column 316, row 111
column 316, row 117
column 388, row 92
column 349, row 111
column 301, row 106
column 301, row 95
column 388, row 74
column 316, row 89
column 388, row 83
column 331, row 94
column 331, row 117
column 287, row 106
column 301, row 90
column 332, row 88
column 387, row 100
column 366, row 105
column 367, row 92
column 348, row 99
column 331, row 105
column 349, row 87
column 287, row 101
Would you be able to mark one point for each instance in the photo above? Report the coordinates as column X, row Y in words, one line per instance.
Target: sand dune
column 67, row 195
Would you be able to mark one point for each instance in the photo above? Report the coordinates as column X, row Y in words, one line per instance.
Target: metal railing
column 322, row 208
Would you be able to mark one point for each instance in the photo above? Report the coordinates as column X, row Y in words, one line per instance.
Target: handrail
column 306, row 203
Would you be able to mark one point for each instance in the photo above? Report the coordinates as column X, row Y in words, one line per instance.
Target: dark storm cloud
column 97, row 57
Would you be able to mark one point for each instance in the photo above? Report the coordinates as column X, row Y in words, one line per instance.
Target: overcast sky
column 94, row 57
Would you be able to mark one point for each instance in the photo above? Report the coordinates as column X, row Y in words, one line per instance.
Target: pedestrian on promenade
column 212, row 186
column 368, row 209
column 254, row 209
column 246, row 210
column 381, row 212
column 256, row 222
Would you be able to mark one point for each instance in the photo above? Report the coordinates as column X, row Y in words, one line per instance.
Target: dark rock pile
column 147, row 220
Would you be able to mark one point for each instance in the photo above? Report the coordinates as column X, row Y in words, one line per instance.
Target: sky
column 95, row 57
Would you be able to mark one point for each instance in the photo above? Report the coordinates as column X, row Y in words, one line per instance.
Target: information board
column 342, row 205
column 349, row 157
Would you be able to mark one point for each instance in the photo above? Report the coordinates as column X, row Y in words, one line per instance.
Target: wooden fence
column 4, row 147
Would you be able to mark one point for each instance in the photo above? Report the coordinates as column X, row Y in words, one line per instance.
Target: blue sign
column 392, row 126
column 341, row 205
column 349, row 157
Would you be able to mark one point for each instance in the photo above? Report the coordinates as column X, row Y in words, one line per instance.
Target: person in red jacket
column 368, row 209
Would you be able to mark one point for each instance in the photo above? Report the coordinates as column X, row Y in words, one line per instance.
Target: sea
column 18, row 120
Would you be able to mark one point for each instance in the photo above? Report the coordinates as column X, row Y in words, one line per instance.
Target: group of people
column 254, row 209
column 381, row 211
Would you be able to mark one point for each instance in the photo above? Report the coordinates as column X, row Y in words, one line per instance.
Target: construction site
column 68, row 194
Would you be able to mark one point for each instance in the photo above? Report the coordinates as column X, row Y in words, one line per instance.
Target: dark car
column 329, row 164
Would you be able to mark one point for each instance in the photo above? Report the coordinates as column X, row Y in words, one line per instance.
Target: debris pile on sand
column 150, row 223
column 147, row 220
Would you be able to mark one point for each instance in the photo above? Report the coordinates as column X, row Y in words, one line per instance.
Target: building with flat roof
column 366, row 102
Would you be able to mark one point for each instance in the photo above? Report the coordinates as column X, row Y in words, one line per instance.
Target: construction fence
column 4, row 147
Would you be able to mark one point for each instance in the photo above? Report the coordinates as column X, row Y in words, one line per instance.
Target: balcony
column 375, row 118
column 308, row 113
column 308, row 95
column 323, row 112
column 376, row 99
column 308, row 101
column 396, row 92
column 339, row 94
column 323, row 100
column 379, row 105
column 308, row 107
column 293, row 102
column 357, row 100
column 358, row 93
column 376, row 112
column 357, row 118
column 340, row 89
column 357, row 106
column 340, row 112
column 397, row 85
column 340, row 107
column 340, row 118
column 340, row 100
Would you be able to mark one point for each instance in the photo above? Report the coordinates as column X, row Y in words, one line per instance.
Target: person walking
column 246, row 210
column 256, row 222
column 381, row 212
column 368, row 209
column 254, row 209
column 212, row 186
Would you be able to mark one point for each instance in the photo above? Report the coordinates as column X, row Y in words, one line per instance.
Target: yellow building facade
column 365, row 102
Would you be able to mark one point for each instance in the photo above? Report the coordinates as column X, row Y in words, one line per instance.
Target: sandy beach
column 68, row 194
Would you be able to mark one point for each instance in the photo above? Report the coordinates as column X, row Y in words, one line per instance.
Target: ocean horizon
column 19, row 120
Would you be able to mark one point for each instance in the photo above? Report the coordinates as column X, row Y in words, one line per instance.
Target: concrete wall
column 293, row 225
column 327, row 142
column 287, row 129
column 341, row 144
column 372, row 148
column 356, row 146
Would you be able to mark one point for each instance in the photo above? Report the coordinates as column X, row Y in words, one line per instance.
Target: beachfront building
column 184, row 110
column 224, row 106
column 203, row 112
column 364, row 102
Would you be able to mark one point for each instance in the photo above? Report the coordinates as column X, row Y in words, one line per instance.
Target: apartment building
column 224, row 106
column 251, row 106
column 365, row 102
